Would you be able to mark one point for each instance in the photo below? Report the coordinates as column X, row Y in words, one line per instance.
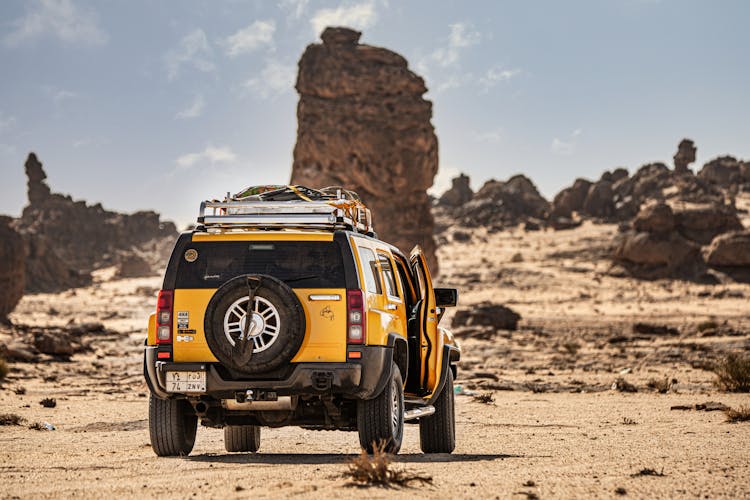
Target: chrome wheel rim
column 395, row 407
column 264, row 327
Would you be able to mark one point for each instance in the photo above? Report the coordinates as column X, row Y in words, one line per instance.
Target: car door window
column 370, row 271
column 388, row 277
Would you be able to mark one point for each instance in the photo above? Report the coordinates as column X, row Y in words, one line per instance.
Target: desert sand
column 557, row 426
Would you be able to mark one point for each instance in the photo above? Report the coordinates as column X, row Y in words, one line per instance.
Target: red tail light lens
column 164, row 317
column 355, row 317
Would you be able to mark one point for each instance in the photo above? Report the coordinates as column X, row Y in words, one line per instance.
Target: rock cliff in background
column 459, row 193
column 684, row 156
column 11, row 268
column 66, row 239
column 363, row 124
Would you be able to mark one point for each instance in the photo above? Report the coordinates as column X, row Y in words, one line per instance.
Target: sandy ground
column 557, row 428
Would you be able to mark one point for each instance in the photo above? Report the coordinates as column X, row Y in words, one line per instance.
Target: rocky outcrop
column 67, row 239
column 500, row 204
column 684, row 156
column 363, row 123
column 571, row 199
column 459, row 193
column 725, row 171
column 701, row 223
column 11, row 268
column 654, row 249
column 731, row 249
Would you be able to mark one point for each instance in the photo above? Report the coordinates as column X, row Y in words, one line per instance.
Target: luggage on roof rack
column 281, row 207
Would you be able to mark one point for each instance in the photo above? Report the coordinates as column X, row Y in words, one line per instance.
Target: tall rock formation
column 11, row 268
column 66, row 239
column 684, row 156
column 363, row 124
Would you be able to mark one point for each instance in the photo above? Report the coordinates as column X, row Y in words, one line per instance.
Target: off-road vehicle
column 283, row 308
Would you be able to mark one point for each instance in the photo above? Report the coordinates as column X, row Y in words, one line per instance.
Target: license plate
column 186, row 381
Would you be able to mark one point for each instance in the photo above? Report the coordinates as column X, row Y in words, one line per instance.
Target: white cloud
column 493, row 76
column 250, row 38
column 193, row 50
column 566, row 147
column 57, row 18
column 295, row 7
column 194, row 110
column 491, row 136
column 6, row 122
column 357, row 16
column 443, row 180
column 274, row 79
column 210, row 154
column 461, row 37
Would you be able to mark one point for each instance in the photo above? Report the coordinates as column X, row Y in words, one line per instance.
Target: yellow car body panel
column 325, row 325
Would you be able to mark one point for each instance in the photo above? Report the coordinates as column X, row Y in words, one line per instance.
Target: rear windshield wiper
column 301, row 278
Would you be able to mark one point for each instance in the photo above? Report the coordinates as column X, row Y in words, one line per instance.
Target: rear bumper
column 360, row 379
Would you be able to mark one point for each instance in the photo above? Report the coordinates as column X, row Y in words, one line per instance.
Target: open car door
column 431, row 341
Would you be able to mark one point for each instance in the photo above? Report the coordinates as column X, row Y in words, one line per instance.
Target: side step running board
column 422, row 411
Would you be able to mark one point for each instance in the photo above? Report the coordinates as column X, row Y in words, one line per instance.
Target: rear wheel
column 437, row 433
column 381, row 419
column 172, row 424
column 242, row 438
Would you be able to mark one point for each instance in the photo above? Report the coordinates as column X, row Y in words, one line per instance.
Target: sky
column 144, row 105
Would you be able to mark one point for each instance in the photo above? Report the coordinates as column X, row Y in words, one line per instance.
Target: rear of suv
column 276, row 313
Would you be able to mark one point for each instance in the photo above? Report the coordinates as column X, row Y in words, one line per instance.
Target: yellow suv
column 283, row 308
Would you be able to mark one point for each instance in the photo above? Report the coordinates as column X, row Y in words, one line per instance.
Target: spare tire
column 277, row 325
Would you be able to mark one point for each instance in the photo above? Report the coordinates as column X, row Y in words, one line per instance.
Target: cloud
column 194, row 110
column 491, row 136
column 211, row 155
column 194, row 51
column 493, row 76
column 566, row 147
column 60, row 19
column 358, row 16
column 250, row 38
column 6, row 122
column 461, row 37
column 274, row 79
column 443, row 180
column 296, row 8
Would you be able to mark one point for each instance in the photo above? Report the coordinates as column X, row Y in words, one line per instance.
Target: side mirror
column 446, row 297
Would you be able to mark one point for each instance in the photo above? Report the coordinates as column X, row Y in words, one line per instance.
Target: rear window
column 309, row 264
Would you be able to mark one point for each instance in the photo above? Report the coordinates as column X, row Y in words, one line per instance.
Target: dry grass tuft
column 377, row 470
column 649, row 472
column 661, row 386
column 487, row 398
column 11, row 419
column 741, row 414
column 733, row 373
column 628, row 421
column 4, row 369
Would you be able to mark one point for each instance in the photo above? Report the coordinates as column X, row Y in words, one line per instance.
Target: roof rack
column 330, row 213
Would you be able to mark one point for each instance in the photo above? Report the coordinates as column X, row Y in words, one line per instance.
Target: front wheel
column 172, row 424
column 381, row 420
column 437, row 433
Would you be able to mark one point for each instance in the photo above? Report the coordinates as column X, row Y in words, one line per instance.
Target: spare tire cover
column 277, row 323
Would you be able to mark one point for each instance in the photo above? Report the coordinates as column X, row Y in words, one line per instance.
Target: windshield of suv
column 301, row 264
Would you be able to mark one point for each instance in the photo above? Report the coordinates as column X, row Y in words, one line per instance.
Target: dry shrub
column 628, row 421
column 487, row 398
column 571, row 347
column 377, row 470
column 11, row 419
column 649, row 472
column 741, row 414
column 661, row 386
column 4, row 370
column 733, row 373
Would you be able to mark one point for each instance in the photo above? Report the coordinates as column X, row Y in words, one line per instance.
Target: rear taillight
column 355, row 319
column 164, row 317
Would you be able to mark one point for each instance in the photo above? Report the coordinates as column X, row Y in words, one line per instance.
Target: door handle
column 391, row 307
